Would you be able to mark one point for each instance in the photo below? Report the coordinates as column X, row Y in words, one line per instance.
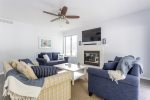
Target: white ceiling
column 30, row 11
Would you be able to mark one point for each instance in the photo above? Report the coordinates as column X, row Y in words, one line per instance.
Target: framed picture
column 44, row 43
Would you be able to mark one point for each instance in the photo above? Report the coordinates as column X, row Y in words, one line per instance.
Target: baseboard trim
column 145, row 78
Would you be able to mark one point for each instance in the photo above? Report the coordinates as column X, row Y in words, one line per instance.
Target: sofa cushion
column 14, row 63
column 27, row 61
column 40, row 55
column 55, row 55
column 26, row 70
column 61, row 61
column 55, row 62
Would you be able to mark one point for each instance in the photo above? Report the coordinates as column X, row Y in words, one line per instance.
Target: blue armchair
column 100, row 84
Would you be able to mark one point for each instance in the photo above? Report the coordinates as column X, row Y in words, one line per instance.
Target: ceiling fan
column 62, row 15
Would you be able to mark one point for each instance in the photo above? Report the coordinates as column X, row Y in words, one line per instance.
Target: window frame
column 70, row 45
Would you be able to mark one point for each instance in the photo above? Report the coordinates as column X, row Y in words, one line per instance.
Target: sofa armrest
column 57, row 79
column 41, row 61
column 56, row 86
column 66, row 59
column 98, row 72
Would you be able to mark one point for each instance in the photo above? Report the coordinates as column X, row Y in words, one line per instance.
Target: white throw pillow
column 46, row 58
column 60, row 56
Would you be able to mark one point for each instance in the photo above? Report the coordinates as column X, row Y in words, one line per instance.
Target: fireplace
column 92, row 58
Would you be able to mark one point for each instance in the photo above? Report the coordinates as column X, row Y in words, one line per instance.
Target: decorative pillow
column 60, row 56
column 14, row 63
column 55, row 55
column 27, row 61
column 110, row 65
column 7, row 67
column 44, row 71
column 117, row 58
column 26, row 70
column 46, row 58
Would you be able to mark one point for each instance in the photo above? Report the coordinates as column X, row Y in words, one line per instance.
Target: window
column 70, row 45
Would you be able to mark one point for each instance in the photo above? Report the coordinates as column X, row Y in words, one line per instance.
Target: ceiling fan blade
column 72, row 17
column 67, row 22
column 50, row 13
column 64, row 10
column 55, row 19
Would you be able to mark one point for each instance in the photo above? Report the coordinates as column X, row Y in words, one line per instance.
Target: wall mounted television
column 91, row 35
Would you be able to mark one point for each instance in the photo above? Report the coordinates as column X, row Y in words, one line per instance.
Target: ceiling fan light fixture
column 62, row 15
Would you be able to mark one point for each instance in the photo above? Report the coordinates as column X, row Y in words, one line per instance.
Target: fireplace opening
column 92, row 58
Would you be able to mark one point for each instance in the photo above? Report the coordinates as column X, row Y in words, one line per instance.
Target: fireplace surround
column 92, row 58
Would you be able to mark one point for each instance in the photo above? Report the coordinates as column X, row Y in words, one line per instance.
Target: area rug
column 80, row 91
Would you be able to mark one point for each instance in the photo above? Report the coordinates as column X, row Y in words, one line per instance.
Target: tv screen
column 91, row 35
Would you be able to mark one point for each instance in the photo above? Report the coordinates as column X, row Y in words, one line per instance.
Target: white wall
column 20, row 40
column 127, row 35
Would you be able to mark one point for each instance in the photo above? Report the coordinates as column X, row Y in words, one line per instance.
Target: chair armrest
column 41, row 61
column 98, row 72
column 66, row 59
column 131, row 80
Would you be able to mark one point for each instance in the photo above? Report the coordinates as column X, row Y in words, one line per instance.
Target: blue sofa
column 100, row 84
column 54, row 59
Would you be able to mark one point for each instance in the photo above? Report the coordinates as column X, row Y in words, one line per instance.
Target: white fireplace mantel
column 83, row 48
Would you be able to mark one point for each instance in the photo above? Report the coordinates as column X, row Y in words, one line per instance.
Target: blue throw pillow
column 117, row 58
column 40, row 55
column 55, row 56
column 110, row 65
column 27, row 61
column 44, row 71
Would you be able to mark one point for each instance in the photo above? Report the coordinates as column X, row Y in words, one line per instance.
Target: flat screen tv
column 91, row 35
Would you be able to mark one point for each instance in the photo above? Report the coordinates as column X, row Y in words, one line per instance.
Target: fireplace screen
column 92, row 58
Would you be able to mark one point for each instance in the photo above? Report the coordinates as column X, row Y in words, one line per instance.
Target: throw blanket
column 124, row 65
column 18, row 87
column 44, row 71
